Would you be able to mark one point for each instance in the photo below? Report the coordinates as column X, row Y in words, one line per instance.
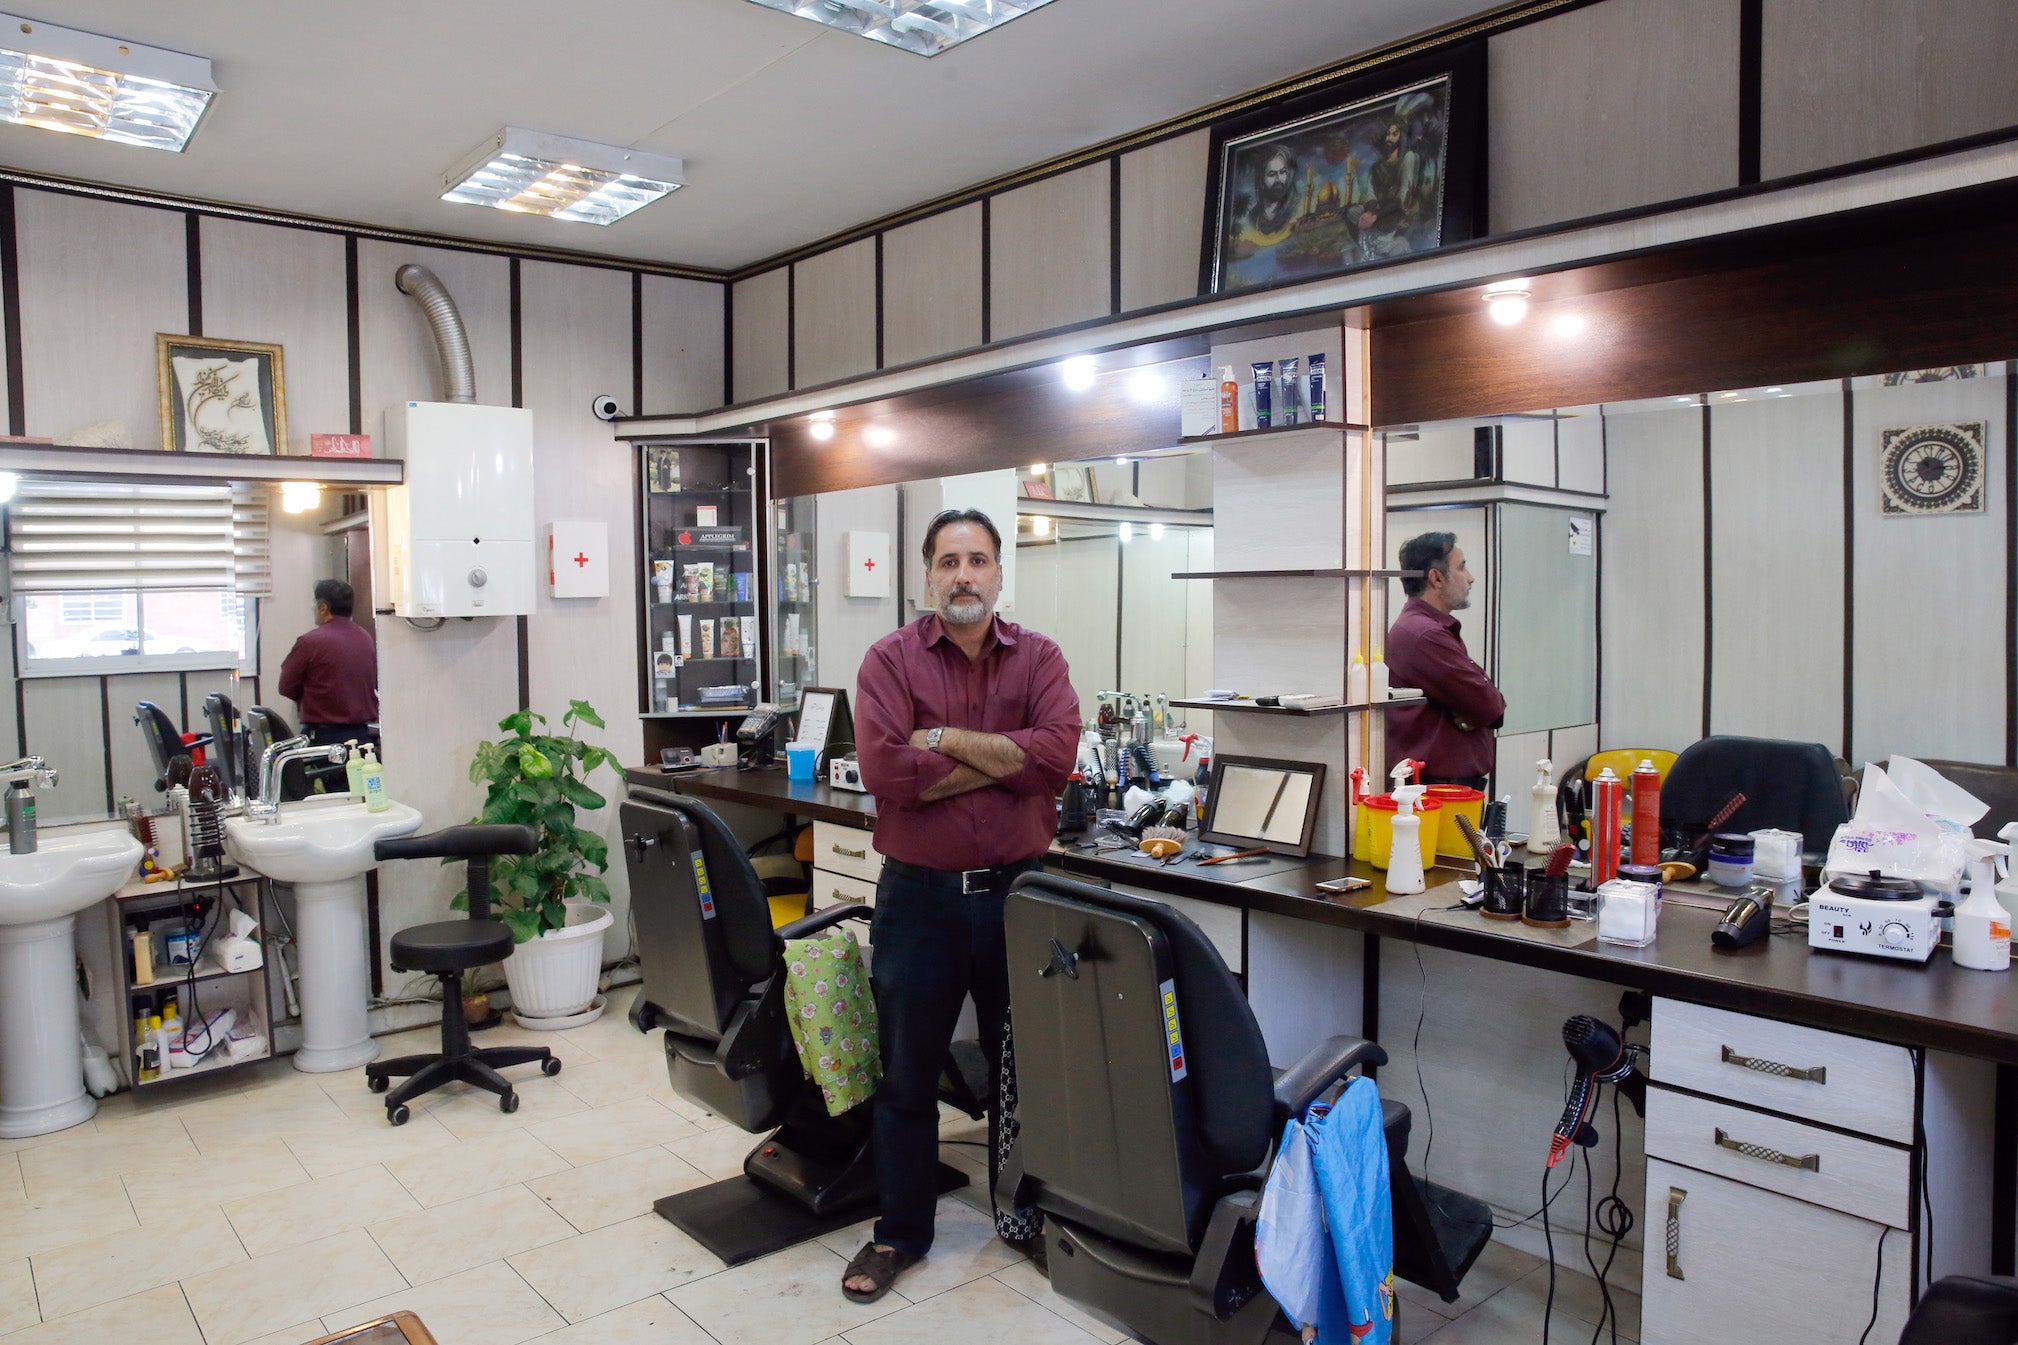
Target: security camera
column 606, row 407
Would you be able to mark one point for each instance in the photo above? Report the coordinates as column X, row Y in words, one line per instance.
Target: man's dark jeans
column 933, row 946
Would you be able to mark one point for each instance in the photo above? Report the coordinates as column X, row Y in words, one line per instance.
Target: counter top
column 1936, row 1005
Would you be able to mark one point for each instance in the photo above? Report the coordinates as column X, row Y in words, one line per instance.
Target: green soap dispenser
column 353, row 769
column 376, row 800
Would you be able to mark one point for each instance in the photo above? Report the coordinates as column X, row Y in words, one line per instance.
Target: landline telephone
column 756, row 736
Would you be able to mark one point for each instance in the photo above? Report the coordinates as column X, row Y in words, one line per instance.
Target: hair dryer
column 1601, row 1056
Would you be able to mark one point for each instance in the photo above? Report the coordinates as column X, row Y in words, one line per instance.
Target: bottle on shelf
column 1229, row 401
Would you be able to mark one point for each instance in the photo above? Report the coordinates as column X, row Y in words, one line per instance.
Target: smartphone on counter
column 1344, row 884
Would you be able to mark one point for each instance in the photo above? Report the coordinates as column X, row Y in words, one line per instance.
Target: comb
column 1559, row 859
column 1477, row 844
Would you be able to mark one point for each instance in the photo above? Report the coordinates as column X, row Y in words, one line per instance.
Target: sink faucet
column 27, row 768
column 276, row 759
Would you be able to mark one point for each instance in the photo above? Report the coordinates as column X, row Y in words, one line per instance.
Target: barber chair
column 165, row 742
column 299, row 779
column 1147, row 1142
column 713, row 969
column 1787, row 785
column 1965, row 1310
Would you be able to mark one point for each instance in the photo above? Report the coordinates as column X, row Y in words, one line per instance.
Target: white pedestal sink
column 323, row 848
column 41, row 1068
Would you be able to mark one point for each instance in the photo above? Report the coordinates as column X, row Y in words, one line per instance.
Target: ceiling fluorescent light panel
column 925, row 27
column 533, row 173
column 60, row 79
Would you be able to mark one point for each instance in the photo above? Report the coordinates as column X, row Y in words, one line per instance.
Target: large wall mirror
column 1090, row 548
column 124, row 591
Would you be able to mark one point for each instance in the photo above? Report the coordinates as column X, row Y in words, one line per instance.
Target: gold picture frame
column 220, row 396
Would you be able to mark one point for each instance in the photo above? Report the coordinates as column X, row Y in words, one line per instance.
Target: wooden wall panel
column 585, row 648
column 1652, row 599
column 1611, row 106
column 1051, row 252
column 65, row 726
column 932, row 286
column 761, row 329
column 263, row 282
column 834, row 314
column 1776, row 557
column 1851, row 79
column 98, row 280
column 683, row 346
column 1930, row 642
column 1162, row 198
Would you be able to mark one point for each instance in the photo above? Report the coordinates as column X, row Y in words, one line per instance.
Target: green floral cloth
column 833, row 1017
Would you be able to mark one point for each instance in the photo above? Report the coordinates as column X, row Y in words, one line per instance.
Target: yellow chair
column 787, row 878
column 1623, row 761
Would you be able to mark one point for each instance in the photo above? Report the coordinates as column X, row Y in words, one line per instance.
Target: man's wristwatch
column 932, row 737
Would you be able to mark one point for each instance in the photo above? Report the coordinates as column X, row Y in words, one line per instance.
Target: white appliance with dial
column 1876, row 916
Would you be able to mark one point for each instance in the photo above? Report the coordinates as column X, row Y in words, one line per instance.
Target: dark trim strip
column 10, row 317
column 791, row 327
column 1709, row 551
column 517, row 337
column 1369, row 988
column 182, row 695
column 1597, row 636
column 1751, row 88
column 2004, row 1174
column 2010, row 560
column 1850, row 567
column 638, row 340
column 639, row 548
column 879, row 301
column 353, row 324
column 987, row 270
column 728, row 345
column 192, row 249
column 525, row 652
column 105, row 728
column 1114, row 236
column 374, row 933
column 20, row 700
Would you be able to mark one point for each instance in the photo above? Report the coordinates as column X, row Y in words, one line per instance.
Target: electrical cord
column 1614, row 1218
column 1877, row 1280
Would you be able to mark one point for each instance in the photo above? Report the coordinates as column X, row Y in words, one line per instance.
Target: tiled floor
column 271, row 1206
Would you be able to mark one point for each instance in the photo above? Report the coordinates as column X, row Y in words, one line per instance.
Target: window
column 112, row 578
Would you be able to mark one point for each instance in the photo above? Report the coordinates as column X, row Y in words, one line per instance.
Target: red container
column 1646, row 815
column 1608, row 794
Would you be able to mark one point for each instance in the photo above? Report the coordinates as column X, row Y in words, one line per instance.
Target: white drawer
column 1866, row 1086
column 1824, row 1167
column 1752, row 1268
column 842, row 849
column 838, row 889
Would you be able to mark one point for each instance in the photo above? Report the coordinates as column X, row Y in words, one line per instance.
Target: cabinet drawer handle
column 1676, row 1195
column 851, row 854
column 1806, row 1162
column 1761, row 1065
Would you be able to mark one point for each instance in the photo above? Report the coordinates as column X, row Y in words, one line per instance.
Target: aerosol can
column 1404, row 855
column 1543, row 833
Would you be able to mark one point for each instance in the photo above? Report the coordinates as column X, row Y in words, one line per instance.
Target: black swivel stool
column 447, row 949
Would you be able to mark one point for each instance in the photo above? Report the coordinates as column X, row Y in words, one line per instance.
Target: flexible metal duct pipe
column 458, row 370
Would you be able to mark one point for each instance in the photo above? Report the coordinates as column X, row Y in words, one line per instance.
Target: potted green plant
column 554, row 899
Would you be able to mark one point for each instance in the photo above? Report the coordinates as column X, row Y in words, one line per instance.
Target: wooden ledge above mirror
column 156, row 465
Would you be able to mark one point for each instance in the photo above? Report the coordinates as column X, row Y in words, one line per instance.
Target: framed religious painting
column 1357, row 171
column 220, row 396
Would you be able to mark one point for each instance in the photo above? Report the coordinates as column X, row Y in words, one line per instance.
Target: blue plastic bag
column 1291, row 1245
column 1324, row 1237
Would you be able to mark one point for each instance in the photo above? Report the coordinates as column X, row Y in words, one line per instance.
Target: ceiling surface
column 790, row 131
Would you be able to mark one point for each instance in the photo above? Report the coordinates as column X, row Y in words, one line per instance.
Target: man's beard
column 963, row 607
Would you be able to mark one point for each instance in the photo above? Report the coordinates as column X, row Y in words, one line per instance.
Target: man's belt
column 967, row 882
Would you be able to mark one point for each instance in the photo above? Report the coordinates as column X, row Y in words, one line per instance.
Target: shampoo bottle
column 1982, row 925
column 20, row 819
column 2007, row 890
column 353, row 769
column 1404, row 855
column 1377, row 678
column 376, row 800
column 1356, row 683
column 1543, row 833
column 1229, row 401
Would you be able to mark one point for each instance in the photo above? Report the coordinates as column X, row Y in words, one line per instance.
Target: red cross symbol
column 869, row 564
column 581, row 559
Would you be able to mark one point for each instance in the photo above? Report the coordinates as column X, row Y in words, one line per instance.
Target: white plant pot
column 555, row 975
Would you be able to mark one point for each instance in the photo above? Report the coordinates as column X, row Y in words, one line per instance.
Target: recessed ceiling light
column 1507, row 301
column 1078, row 372
column 533, row 173
column 1039, row 468
column 82, row 84
column 1040, row 526
column 878, row 436
column 1127, row 531
column 823, row 430
column 923, row 27
column 1156, row 532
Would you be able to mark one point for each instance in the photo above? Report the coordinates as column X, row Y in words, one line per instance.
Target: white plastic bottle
column 2007, row 890
column 1982, row 925
column 1356, row 681
column 1544, row 834
column 1404, row 855
column 1377, row 678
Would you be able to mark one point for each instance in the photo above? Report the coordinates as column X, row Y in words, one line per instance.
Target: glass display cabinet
column 795, row 583
column 701, row 541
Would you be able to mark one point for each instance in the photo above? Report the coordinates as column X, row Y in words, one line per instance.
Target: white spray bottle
column 1404, row 855
column 2007, row 890
column 1543, row 832
column 1982, row 925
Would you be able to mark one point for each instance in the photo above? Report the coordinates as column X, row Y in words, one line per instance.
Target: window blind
column 79, row 536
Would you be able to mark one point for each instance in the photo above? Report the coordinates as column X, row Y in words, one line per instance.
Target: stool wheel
column 508, row 1103
column 550, row 1066
column 398, row 1115
column 377, row 1083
